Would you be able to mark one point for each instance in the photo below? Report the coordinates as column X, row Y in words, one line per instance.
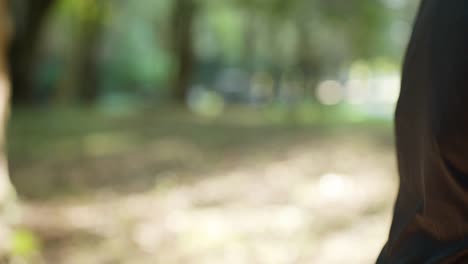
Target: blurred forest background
column 203, row 131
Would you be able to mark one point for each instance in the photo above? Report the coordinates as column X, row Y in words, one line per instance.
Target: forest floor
column 164, row 186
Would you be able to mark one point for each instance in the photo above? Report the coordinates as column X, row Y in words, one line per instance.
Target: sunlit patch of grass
column 25, row 244
column 101, row 144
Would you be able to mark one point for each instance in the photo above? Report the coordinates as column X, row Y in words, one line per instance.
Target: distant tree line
column 313, row 37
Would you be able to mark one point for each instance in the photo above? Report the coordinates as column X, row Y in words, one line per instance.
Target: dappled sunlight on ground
column 316, row 203
column 213, row 193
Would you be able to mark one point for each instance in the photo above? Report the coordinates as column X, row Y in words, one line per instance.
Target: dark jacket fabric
column 430, row 222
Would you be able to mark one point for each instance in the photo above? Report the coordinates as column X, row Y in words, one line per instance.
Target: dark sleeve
column 448, row 73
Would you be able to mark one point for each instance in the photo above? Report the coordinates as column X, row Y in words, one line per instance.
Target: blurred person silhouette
column 430, row 221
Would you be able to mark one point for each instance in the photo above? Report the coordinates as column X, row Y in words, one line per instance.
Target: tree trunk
column 183, row 15
column 79, row 82
column 249, row 42
column 307, row 62
column 6, row 189
column 89, row 79
column 22, row 53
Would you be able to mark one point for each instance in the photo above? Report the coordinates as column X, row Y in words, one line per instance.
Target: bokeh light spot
column 330, row 92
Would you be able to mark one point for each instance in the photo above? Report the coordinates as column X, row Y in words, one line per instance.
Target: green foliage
column 134, row 50
column 25, row 244
column 85, row 11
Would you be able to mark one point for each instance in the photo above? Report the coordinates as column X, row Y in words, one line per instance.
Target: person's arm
column 448, row 73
